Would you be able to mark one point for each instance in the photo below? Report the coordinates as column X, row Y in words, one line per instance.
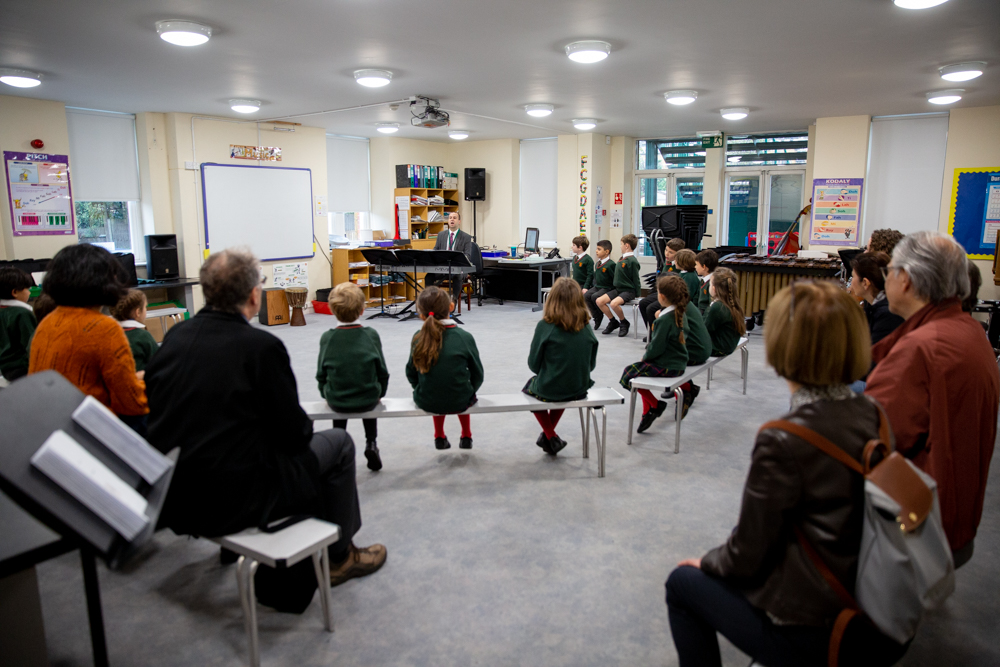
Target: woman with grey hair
column 937, row 379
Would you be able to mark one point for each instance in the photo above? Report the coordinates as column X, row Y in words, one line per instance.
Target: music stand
column 381, row 258
column 432, row 259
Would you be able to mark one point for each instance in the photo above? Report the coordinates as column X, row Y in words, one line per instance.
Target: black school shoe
column 623, row 329
column 612, row 325
column 651, row 416
column 556, row 445
column 543, row 442
column 371, row 453
column 442, row 443
column 465, row 443
column 598, row 321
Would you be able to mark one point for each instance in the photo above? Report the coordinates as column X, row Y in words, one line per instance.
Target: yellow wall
column 568, row 190
column 621, row 180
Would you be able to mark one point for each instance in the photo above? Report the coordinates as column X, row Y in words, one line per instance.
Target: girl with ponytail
column 666, row 355
column 724, row 319
column 444, row 367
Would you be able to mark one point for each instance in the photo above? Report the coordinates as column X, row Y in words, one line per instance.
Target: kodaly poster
column 836, row 211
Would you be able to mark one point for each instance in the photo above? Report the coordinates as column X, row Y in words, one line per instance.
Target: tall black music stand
column 432, row 261
column 381, row 258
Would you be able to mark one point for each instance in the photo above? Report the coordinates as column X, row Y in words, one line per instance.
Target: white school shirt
column 665, row 311
column 132, row 324
column 15, row 303
column 627, row 254
column 706, row 278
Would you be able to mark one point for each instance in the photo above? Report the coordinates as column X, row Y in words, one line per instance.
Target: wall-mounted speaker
column 475, row 184
column 161, row 257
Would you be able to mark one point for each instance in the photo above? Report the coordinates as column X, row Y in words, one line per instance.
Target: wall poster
column 39, row 193
column 974, row 214
column 836, row 211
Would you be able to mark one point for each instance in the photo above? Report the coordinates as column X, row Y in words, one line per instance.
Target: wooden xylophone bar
column 760, row 278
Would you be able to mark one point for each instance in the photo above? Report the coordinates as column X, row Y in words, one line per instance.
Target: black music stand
column 381, row 258
column 31, row 409
column 431, row 259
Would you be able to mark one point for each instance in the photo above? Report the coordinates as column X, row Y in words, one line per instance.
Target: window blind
column 102, row 160
column 744, row 150
column 348, row 187
column 538, row 182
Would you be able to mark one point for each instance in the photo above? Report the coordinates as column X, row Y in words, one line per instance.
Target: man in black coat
column 224, row 392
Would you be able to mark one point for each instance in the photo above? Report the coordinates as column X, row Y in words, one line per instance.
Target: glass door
column 662, row 190
column 743, row 204
column 761, row 206
column 784, row 201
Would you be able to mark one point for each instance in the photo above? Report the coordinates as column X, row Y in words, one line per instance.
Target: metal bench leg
column 602, row 441
column 678, row 415
column 585, row 430
column 708, row 378
column 321, row 564
column 745, row 353
column 631, row 415
column 635, row 322
column 246, row 568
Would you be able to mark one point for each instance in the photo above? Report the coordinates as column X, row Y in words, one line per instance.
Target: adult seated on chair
column 223, row 391
column 451, row 238
column 760, row 589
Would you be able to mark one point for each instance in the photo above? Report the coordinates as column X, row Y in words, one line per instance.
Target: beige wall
column 621, row 180
column 384, row 153
column 154, row 175
column 22, row 120
column 712, row 194
column 568, row 190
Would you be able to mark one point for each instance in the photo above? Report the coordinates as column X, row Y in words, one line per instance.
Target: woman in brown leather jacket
column 760, row 589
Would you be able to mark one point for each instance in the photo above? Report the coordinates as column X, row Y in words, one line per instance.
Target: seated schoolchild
column 583, row 264
column 699, row 346
column 444, row 367
column 650, row 304
column 704, row 265
column 352, row 374
column 604, row 281
column 667, row 354
column 724, row 319
column 43, row 306
column 686, row 261
column 626, row 285
column 562, row 356
column 17, row 322
column 131, row 315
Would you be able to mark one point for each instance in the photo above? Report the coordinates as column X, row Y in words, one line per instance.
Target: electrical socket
column 190, row 165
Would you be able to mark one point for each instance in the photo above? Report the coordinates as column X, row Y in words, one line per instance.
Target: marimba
column 761, row 277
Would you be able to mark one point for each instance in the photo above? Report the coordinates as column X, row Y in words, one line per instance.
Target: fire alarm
column 37, row 143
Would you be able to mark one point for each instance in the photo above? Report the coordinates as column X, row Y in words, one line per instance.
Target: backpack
column 905, row 565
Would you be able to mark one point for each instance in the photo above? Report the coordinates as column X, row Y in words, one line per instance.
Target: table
column 177, row 290
column 559, row 266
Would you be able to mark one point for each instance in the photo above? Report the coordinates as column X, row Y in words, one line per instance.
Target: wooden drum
column 761, row 277
column 297, row 300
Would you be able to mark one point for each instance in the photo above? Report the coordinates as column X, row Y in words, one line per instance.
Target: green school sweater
column 562, row 361
column 693, row 283
column 627, row 275
column 696, row 337
column 604, row 275
column 665, row 347
column 450, row 384
column 583, row 271
column 142, row 343
column 719, row 322
column 351, row 373
column 704, row 296
column 17, row 326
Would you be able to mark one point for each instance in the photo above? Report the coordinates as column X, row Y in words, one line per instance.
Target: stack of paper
column 63, row 460
column 435, row 200
column 417, row 200
column 125, row 443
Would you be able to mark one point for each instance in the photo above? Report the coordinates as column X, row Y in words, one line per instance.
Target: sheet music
column 125, row 443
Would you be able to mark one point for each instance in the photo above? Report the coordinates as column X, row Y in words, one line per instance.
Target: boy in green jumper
column 626, row 287
column 667, row 352
column 649, row 305
column 704, row 265
column 352, row 374
column 604, row 281
column 130, row 311
column 583, row 264
column 685, row 261
column 17, row 322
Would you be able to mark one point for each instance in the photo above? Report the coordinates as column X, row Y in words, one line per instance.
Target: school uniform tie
column 451, row 241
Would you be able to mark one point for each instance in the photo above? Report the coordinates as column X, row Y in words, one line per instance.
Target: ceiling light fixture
column 538, row 110
column 387, row 128
column 244, row 106
column 458, row 134
column 735, row 113
column 918, row 4
column 373, row 78
column 183, row 33
column 680, row 97
column 962, row 71
column 20, row 78
column 945, row 96
column 588, row 52
column 584, row 123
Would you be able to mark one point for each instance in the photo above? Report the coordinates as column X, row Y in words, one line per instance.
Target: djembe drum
column 297, row 300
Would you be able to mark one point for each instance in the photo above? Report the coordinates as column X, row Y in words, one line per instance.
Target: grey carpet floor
column 500, row 555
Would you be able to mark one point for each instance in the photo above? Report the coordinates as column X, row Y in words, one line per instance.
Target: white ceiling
column 789, row 61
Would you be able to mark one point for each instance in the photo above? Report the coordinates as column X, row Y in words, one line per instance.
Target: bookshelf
column 427, row 230
column 349, row 265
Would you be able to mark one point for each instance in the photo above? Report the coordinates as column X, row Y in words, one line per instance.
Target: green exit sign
column 715, row 141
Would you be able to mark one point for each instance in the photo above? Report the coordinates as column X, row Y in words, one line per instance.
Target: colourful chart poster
column 974, row 217
column 836, row 211
column 40, row 194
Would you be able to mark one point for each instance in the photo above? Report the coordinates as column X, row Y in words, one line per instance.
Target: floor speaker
column 475, row 184
column 273, row 307
column 161, row 257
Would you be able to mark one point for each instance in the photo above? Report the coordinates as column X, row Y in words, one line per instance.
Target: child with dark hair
column 650, row 304
column 604, row 281
column 17, row 322
column 583, row 264
column 686, row 261
column 704, row 265
column 627, row 286
column 131, row 315
column 43, row 306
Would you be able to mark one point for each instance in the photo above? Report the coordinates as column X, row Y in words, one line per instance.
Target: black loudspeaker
column 161, row 257
column 475, row 184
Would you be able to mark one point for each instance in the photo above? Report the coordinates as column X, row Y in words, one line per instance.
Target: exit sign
column 715, row 141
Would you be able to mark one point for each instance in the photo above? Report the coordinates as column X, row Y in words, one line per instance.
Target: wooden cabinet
column 349, row 265
column 427, row 230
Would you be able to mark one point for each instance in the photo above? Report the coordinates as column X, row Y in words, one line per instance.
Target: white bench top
column 165, row 312
column 285, row 547
column 520, row 402
column 689, row 372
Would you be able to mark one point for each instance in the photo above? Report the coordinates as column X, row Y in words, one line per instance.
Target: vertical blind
column 348, row 187
column 102, row 157
column 905, row 171
column 538, row 182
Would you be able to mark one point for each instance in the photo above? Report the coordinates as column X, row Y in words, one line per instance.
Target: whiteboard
column 268, row 209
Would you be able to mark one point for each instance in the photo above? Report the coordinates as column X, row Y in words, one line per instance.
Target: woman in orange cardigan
column 87, row 348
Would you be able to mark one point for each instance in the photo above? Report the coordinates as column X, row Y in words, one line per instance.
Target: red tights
column 548, row 420
column 649, row 401
column 462, row 419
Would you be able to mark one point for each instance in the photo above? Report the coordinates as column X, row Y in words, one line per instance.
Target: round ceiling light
column 538, row 110
column 945, row 96
column 588, row 52
column 183, row 33
column 244, row 105
column 20, row 78
column 918, row 4
column 735, row 113
column 387, row 128
column 458, row 134
column 584, row 123
column 962, row 71
column 680, row 97
column 373, row 78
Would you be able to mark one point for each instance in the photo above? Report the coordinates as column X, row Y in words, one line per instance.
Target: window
column 755, row 150
column 109, row 224
column 539, row 170
column 683, row 153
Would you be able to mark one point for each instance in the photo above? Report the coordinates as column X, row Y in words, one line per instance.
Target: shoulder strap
column 816, row 440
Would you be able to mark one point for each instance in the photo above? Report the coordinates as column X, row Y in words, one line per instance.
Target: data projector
column 426, row 113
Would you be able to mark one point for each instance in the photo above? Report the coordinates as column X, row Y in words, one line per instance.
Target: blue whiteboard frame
column 204, row 205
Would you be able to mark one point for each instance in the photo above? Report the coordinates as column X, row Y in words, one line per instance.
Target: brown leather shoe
column 359, row 563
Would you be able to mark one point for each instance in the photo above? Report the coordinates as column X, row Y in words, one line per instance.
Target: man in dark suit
column 224, row 392
column 451, row 238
